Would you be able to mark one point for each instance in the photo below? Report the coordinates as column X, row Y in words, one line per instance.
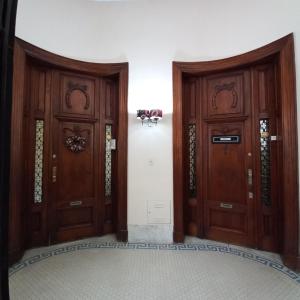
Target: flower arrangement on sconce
column 149, row 116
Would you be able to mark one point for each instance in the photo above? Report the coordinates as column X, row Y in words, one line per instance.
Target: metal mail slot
column 226, row 139
column 75, row 203
column 226, row 205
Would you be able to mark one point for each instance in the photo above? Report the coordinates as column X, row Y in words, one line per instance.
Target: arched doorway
column 235, row 150
column 69, row 149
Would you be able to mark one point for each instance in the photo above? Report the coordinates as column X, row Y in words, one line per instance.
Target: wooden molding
column 16, row 236
column 122, row 235
column 292, row 262
column 283, row 50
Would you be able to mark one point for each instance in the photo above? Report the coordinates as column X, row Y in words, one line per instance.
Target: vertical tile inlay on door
column 38, row 164
column 265, row 182
column 108, row 160
column 192, row 160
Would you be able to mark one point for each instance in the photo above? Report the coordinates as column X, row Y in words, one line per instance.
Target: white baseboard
column 158, row 233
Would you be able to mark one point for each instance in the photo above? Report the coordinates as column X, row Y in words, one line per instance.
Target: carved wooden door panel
column 232, row 143
column 227, row 157
column 76, row 145
column 267, row 150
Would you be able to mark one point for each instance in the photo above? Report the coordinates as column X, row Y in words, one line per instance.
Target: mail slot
column 226, row 139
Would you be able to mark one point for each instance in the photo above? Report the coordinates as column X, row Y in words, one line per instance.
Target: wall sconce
column 149, row 116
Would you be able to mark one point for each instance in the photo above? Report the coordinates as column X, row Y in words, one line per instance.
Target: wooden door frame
column 24, row 52
column 284, row 50
column 8, row 10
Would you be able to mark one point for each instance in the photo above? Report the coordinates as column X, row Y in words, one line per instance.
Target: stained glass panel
column 108, row 160
column 38, row 163
column 192, row 160
column 265, row 166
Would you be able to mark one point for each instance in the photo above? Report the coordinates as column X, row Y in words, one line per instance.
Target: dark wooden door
column 75, row 146
column 227, row 158
column 231, row 157
column 70, row 164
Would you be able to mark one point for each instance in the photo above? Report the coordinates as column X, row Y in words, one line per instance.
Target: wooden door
column 231, row 150
column 227, row 158
column 68, row 182
column 273, row 121
column 70, row 119
column 75, row 153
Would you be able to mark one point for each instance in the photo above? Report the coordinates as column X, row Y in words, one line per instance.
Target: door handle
column 250, row 180
column 54, row 171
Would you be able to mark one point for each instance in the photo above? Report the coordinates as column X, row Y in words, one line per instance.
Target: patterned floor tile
column 101, row 268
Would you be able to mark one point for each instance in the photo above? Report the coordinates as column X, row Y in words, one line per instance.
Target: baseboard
column 178, row 237
column 292, row 262
column 122, row 235
column 156, row 233
column 14, row 256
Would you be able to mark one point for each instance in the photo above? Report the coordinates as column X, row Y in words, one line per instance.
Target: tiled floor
column 101, row 268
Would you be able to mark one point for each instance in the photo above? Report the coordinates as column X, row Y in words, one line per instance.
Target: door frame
column 23, row 52
column 284, row 50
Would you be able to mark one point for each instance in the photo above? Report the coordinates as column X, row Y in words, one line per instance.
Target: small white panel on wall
column 158, row 212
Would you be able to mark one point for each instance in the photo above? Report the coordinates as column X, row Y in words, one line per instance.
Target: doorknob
column 250, row 177
column 54, row 171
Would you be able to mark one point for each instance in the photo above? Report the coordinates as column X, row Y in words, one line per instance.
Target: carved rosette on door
column 75, row 141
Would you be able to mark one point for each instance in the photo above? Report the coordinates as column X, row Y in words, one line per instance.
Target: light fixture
column 149, row 116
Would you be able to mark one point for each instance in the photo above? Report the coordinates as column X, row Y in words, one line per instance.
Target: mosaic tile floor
column 101, row 268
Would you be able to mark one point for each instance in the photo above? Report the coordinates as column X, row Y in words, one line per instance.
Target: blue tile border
column 161, row 247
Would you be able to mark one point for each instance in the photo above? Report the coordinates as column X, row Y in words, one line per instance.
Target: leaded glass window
column 265, row 165
column 192, row 160
column 38, row 163
column 108, row 160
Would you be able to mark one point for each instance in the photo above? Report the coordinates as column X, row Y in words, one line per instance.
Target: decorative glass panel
column 38, row 163
column 265, row 166
column 192, row 160
column 108, row 160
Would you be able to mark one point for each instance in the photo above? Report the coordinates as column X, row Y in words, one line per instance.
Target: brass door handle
column 54, row 171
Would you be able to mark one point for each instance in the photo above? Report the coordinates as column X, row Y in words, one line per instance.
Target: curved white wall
column 150, row 35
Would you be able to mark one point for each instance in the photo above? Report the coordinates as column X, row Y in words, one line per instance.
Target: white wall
column 150, row 35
